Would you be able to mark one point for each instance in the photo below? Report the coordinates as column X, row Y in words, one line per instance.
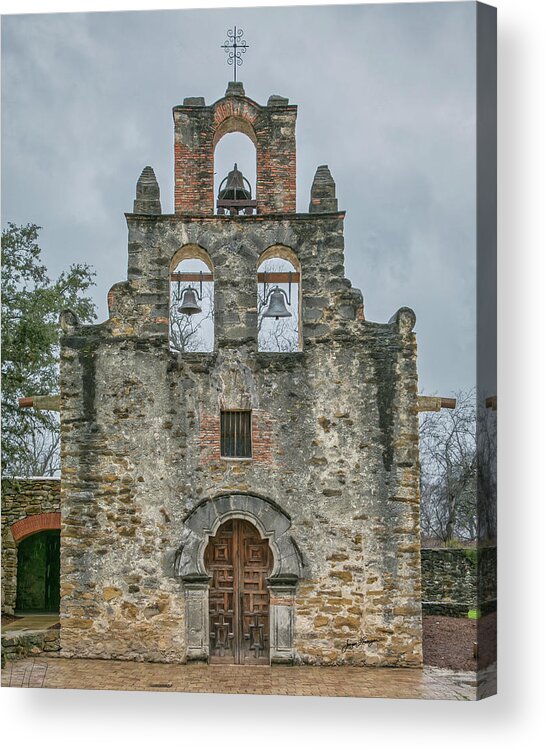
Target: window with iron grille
column 235, row 434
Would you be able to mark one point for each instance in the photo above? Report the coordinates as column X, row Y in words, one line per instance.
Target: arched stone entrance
column 266, row 528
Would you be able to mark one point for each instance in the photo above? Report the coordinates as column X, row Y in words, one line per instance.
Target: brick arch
column 232, row 115
column 33, row 524
column 249, row 149
column 234, row 125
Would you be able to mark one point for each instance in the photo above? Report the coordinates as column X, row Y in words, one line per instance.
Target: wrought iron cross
column 234, row 47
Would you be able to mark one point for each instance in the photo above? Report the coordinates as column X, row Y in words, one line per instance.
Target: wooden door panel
column 256, row 564
column 239, row 562
column 222, row 615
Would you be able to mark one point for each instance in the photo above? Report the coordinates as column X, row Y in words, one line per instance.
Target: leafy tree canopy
column 31, row 303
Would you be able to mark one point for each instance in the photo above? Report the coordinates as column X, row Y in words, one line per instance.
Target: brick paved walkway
column 367, row 682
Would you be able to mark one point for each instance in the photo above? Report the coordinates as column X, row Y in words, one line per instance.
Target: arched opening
column 235, row 174
column 191, row 309
column 279, row 301
column 239, row 562
column 38, row 572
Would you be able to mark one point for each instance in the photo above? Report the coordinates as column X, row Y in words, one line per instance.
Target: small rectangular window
column 235, row 434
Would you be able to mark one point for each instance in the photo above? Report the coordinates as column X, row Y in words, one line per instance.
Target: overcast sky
column 386, row 98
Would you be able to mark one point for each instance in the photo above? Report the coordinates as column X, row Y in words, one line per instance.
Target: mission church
column 233, row 501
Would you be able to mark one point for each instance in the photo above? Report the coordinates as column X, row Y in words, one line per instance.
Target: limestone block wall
column 337, row 429
column 28, row 505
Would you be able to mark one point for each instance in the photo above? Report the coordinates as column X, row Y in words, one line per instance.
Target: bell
column 277, row 307
column 235, row 187
column 189, row 304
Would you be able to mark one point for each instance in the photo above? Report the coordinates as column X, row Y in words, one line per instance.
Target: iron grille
column 235, row 434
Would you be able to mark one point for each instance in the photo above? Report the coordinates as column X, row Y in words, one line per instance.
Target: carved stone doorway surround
column 273, row 523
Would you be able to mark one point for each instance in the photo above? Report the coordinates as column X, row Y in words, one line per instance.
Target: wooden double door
column 239, row 561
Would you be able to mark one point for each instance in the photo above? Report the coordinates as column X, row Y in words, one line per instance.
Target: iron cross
column 235, row 46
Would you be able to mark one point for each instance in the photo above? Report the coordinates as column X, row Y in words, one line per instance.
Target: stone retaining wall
column 457, row 580
column 18, row 645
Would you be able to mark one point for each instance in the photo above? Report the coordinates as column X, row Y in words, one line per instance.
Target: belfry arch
column 235, row 154
column 235, row 124
column 199, row 127
column 191, row 272
column 279, row 268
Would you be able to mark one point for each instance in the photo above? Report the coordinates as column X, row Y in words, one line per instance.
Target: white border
column 64, row 718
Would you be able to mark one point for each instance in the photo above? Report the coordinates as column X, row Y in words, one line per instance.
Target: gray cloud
column 386, row 97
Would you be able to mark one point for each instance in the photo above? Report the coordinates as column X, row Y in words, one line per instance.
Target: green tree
column 31, row 303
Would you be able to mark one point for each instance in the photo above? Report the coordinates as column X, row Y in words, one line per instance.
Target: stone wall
column 458, row 580
column 18, row 645
column 339, row 449
column 28, row 506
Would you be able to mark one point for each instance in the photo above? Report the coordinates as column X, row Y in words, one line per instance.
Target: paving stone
column 359, row 682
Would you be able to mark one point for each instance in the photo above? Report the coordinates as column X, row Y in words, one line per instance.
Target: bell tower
column 197, row 131
column 240, row 445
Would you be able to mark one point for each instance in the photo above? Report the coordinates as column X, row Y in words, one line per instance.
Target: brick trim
column 262, row 438
column 33, row 524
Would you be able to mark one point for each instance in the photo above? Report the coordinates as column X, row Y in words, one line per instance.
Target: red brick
column 32, row 524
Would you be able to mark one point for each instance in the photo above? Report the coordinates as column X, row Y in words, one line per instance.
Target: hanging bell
column 189, row 304
column 235, row 187
column 277, row 307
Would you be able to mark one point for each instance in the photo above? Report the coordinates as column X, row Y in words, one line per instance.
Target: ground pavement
column 365, row 682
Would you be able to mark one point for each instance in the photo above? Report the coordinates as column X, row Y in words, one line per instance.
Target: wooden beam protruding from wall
column 41, row 403
column 435, row 403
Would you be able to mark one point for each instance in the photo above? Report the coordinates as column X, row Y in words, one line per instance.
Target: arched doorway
column 239, row 562
column 38, row 572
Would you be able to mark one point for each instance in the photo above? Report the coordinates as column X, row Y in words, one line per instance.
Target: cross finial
column 234, row 47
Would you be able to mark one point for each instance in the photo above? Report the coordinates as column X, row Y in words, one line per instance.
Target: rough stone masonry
column 332, row 482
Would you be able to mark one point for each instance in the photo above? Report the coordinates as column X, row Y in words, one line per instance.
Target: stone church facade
column 304, row 550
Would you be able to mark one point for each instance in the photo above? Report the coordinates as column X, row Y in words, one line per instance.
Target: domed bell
column 189, row 304
column 277, row 307
column 235, row 187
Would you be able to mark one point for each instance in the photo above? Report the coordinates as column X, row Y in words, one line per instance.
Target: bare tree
column 277, row 335
column 187, row 332
column 39, row 450
column 448, row 453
